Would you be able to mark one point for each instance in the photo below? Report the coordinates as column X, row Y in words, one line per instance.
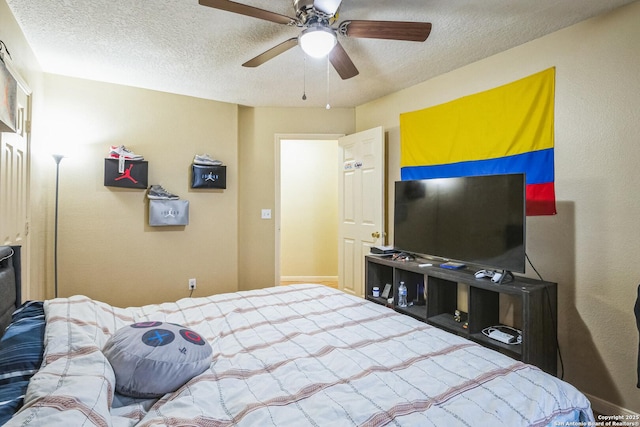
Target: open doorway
column 307, row 209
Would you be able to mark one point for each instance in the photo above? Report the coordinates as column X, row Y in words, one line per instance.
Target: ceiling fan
column 317, row 18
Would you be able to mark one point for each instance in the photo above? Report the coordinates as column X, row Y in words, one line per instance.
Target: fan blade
column 330, row 7
column 389, row 30
column 342, row 63
column 243, row 9
column 271, row 53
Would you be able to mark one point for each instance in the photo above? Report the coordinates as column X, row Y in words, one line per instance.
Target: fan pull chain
column 328, row 107
column 304, row 77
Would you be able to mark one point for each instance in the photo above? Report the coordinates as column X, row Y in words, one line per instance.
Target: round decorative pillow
column 151, row 359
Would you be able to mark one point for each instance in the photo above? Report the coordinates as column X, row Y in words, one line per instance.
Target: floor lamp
column 58, row 158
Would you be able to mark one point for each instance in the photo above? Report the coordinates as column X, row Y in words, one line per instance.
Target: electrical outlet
column 192, row 284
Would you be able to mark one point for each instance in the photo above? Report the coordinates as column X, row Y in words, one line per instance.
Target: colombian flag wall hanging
column 509, row 129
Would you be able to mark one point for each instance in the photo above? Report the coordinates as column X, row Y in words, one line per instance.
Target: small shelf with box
column 209, row 176
column 379, row 277
column 126, row 173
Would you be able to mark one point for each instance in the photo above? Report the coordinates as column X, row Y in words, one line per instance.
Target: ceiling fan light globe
column 317, row 41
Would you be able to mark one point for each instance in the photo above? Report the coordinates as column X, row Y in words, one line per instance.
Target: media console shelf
column 534, row 305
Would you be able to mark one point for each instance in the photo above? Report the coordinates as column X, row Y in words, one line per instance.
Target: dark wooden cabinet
column 530, row 303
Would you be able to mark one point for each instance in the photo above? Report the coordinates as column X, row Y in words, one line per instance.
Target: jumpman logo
column 127, row 175
column 210, row 177
column 171, row 213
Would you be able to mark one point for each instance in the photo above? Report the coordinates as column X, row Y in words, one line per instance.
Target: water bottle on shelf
column 402, row 295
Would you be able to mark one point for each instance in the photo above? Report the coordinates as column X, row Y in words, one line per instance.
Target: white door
column 360, row 204
column 14, row 184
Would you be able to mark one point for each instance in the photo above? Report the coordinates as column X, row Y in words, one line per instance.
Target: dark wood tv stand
column 534, row 304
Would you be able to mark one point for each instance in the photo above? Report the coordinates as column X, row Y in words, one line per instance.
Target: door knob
column 375, row 234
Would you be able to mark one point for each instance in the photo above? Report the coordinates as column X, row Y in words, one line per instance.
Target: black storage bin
column 208, row 176
column 135, row 174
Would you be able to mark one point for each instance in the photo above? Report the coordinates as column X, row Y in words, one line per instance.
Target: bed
column 290, row 356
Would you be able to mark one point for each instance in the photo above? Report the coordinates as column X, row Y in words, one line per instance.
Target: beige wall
column 257, row 130
column 309, row 208
column 106, row 248
column 591, row 246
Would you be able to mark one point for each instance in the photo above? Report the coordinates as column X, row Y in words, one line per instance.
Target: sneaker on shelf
column 156, row 192
column 120, row 150
column 206, row 160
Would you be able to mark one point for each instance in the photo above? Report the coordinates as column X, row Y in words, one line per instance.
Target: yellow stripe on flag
column 512, row 119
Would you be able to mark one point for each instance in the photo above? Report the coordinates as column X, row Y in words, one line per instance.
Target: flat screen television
column 478, row 219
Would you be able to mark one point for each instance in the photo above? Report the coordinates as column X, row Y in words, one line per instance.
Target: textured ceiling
column 179, row 46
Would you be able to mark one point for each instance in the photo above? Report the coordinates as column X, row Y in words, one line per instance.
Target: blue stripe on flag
column 537, row 165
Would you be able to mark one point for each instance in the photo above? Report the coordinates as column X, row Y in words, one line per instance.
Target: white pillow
column 151, row 359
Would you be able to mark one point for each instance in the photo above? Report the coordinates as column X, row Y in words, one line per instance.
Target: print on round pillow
column 151, row 359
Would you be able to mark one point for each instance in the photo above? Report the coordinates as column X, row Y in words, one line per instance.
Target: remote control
column 502, row 337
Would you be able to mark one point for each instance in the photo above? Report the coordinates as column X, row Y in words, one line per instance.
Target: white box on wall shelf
column 168, row 212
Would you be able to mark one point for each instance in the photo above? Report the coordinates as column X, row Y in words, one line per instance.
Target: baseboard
column 607, row 408
column 309, row 279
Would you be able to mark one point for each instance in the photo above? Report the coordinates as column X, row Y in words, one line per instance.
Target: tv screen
column 478, row 219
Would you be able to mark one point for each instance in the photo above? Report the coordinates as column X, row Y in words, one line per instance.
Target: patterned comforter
column 292, row 356
column 20, row 356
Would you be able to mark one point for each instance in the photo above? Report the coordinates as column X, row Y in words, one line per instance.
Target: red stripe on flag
column 541, row 199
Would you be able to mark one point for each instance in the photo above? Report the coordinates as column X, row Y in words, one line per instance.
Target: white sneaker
column 206, row 160
column 156, row 192
column 116, row 151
